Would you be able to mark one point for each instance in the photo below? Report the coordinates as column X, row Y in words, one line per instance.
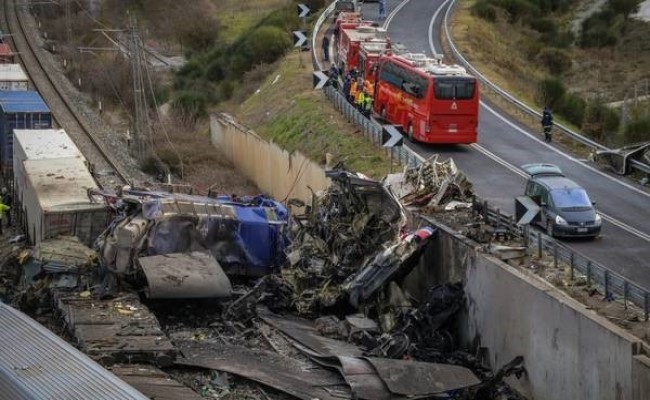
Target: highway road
column 493, row 163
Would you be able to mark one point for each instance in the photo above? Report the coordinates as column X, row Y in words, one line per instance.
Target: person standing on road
column 547, row 124
column 382, row 9
column 326, row 48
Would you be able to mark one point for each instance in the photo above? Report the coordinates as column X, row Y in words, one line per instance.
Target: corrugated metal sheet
column 22, row 102
column 37, row 364
column 12, row 72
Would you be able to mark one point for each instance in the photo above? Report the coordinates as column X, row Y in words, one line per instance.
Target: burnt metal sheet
column 37, row 364
column 282, row 373
column 415, row 378
column 363, row 379
column 154, row 383
column 183, row 276
column 302, row 331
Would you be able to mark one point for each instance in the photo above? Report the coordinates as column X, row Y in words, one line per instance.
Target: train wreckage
column 327, row 276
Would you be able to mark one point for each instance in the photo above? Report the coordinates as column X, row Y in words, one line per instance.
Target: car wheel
column 409, row 133
column 549, row 229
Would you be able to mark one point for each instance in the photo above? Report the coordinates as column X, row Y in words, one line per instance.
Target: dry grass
column 237, row 16
column 505, row 54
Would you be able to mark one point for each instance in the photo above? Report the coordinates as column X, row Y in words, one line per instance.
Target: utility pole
column 142, row 127
column 68, row 21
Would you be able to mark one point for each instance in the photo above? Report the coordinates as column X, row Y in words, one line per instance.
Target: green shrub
column 572, row 108
column 638, row 130
column 190, row 104
column 266, row 44
column 557, row 61
column 599, row 120
column 485, row 10
column 624, row 7
column 543, row 25
column 551, row 91
column 519, row 9
column 214, row 71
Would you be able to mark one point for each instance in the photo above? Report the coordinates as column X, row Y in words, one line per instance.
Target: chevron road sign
column 391, row 136
column 301, row 39
column 303, row 10
column 526, row 210
column 320, row 79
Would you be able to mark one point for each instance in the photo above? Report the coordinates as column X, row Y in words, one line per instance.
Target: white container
column 13, row 78
column 55, row 200
column 38, row 144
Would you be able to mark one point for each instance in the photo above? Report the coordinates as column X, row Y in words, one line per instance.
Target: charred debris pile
column 310, row 300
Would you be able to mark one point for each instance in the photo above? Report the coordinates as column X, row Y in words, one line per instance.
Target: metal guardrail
column 370, row 128
column 612, row 283
column 508, row 97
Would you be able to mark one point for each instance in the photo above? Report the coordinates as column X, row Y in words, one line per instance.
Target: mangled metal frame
column 183, row 244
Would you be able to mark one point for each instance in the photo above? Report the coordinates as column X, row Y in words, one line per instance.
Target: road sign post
column 301, row 37
column 391, row 137
column 320, row 79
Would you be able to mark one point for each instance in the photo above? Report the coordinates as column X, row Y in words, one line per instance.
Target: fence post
column 525, row 235
column 485, row 210
column 606, row 284
column 539, row 245
column 555, row 255
column 498, row 219
column 572, row 261
column 588, row 273
column 646, row 305
column 625, row 291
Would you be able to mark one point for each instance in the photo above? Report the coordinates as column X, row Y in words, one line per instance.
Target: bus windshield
column 454, row 88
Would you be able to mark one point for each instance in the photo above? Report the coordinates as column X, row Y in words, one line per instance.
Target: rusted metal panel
column 279, row 372
column 180, row 275
column 416, row 379
column 302, row 331
column 37, row 364
column 154, row 383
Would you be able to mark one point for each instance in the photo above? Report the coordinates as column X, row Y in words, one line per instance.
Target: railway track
column 105, row 168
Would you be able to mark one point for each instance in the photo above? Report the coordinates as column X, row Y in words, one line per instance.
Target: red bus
column 430, row 101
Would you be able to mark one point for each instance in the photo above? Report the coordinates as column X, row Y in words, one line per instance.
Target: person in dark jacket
column 326, row 48
column 547, row 124
column 347, row 83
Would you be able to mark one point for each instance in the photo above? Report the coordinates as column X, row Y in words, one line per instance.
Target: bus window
column 454, row 88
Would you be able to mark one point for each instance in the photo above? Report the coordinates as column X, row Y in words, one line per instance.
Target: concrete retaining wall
column 275, row 171
column 569, row 351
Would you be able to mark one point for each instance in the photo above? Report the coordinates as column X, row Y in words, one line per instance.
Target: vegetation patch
column 306, row 121
column 527, row 47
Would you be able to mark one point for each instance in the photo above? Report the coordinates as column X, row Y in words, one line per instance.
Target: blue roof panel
column 22, row 102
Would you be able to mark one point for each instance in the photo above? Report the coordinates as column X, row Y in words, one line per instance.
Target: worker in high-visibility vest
column 354, row 91
column 369, row 88
column 360, row 101
column 367, row 105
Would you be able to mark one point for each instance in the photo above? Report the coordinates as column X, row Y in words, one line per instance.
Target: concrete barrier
column 275, row 171
column 569, row 351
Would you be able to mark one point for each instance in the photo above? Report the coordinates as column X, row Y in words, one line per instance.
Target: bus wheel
column 409, row 133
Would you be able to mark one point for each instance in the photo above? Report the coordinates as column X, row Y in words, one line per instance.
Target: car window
column 570, row 198
column 534, row 190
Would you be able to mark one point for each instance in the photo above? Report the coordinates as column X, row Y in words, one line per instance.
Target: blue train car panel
column 20, row 110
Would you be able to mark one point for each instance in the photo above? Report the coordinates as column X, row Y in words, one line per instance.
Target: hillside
column 542, row 56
